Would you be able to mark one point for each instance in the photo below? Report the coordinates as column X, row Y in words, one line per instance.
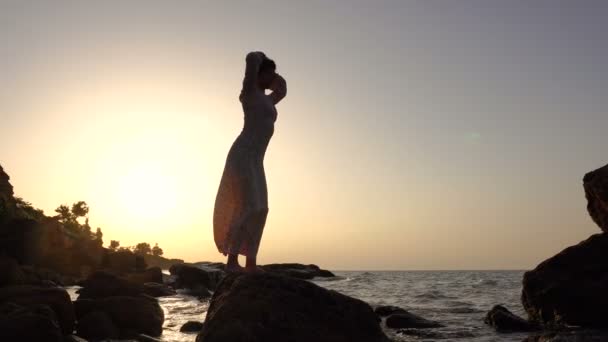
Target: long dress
column 241, row 204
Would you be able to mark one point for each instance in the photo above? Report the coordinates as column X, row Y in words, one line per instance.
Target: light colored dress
column 241, row 204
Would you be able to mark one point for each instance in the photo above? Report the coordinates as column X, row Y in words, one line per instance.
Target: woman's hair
column 267, row 64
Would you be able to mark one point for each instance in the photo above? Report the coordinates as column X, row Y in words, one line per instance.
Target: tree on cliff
column 157, row 251
column 114, row 245
column 142, row 248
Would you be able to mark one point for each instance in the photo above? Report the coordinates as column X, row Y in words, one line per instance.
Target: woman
column 241, row 204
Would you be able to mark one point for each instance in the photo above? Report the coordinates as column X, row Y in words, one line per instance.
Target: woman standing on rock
column 241, row 204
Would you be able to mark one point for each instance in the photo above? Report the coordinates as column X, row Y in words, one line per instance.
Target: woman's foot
column 232, row 264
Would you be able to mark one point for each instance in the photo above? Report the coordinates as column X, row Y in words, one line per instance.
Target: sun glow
column 148, row 193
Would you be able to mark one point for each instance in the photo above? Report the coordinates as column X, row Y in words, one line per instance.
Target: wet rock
column 504, row 320
column 282, row 308
column 10, row 272
column 570, row 336
column 191, row 326
column 151, row 275
column 409, row 320
column 570, row 287
column 31, row 296
column 191, row 276
column 132, row 315
column 97, row 325
column 299, row 271
column 158, row 290
column 32, row 323
column 595, row 184
column 386, row 310
column 102, row 284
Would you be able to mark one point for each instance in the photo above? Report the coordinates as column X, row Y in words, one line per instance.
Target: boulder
column 504, row 320
column 192, row 276
column 132, row 315
column 570, row 287
column 409, row 320
column 56, row 298
column 102, row 284
column 298, row 270
column 32, row 323
column 387, row 310
column 570, row 336
column 97, row 325
column 280, row 308
column 151, row 275
column 10, row 272
column 596, row 192
column 158, row 290
column 191, row 326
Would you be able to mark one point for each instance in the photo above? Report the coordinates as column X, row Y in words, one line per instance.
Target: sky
column 415, row 135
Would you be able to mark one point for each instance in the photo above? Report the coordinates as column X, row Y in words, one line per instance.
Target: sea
column 457, row 299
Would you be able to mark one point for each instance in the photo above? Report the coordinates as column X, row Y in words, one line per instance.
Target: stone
column 56, row 298
column 132, row 315
column 32, row 323
column 298, row 270
column 158, row 290
column 570, row 287
column 97, row 325
column 150, row 275
column 595, row 184
column 191, row 326
column 191, row 276
column 387, row 310
column 409, row 320
column 503, row 320
column 281, row 308
column 102, row 284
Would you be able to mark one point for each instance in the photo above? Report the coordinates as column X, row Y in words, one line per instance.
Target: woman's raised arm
column 279, row 89
column 254, row 60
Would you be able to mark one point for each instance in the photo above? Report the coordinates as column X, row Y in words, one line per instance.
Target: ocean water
column 457, row 299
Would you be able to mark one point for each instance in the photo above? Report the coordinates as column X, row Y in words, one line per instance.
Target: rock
column 151, row 275
column 280, row 308
column 146, row 338
column 30, row 296
column 596, row 192
column 191, row 326
column 32, row 323
column 504, row 320
column 409, row 320
column 73, row 338
column 570, row 287
column 158, row 290
column 102, row 284
column 122, row 262
column 141, row 314
column 570, row 336
column 298, row 270
column 10, row 272
column 386, row 310
column 97, row 325
column 191, row 276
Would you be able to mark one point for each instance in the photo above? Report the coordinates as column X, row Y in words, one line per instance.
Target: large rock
column 504, row 320
column 151, row 275
column 570, row 287
column 32, row 323
column 298, row 270
column 409, row 320
column 195, row 276
column 103, row 284
column 97, row 325
column 132, row 315
column 570, row 336
column 30, row 296
column 271, row 307
column 596, row 191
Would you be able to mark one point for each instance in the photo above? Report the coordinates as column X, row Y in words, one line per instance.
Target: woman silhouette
column 241, row 204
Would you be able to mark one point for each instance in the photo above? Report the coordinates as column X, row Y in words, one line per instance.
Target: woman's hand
column 255, row 56
column 279, row 89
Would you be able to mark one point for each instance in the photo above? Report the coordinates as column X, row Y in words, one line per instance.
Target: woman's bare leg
column 251, row 265
column 232, row 265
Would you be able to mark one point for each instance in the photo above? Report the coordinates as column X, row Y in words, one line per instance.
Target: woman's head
column 267, row 73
